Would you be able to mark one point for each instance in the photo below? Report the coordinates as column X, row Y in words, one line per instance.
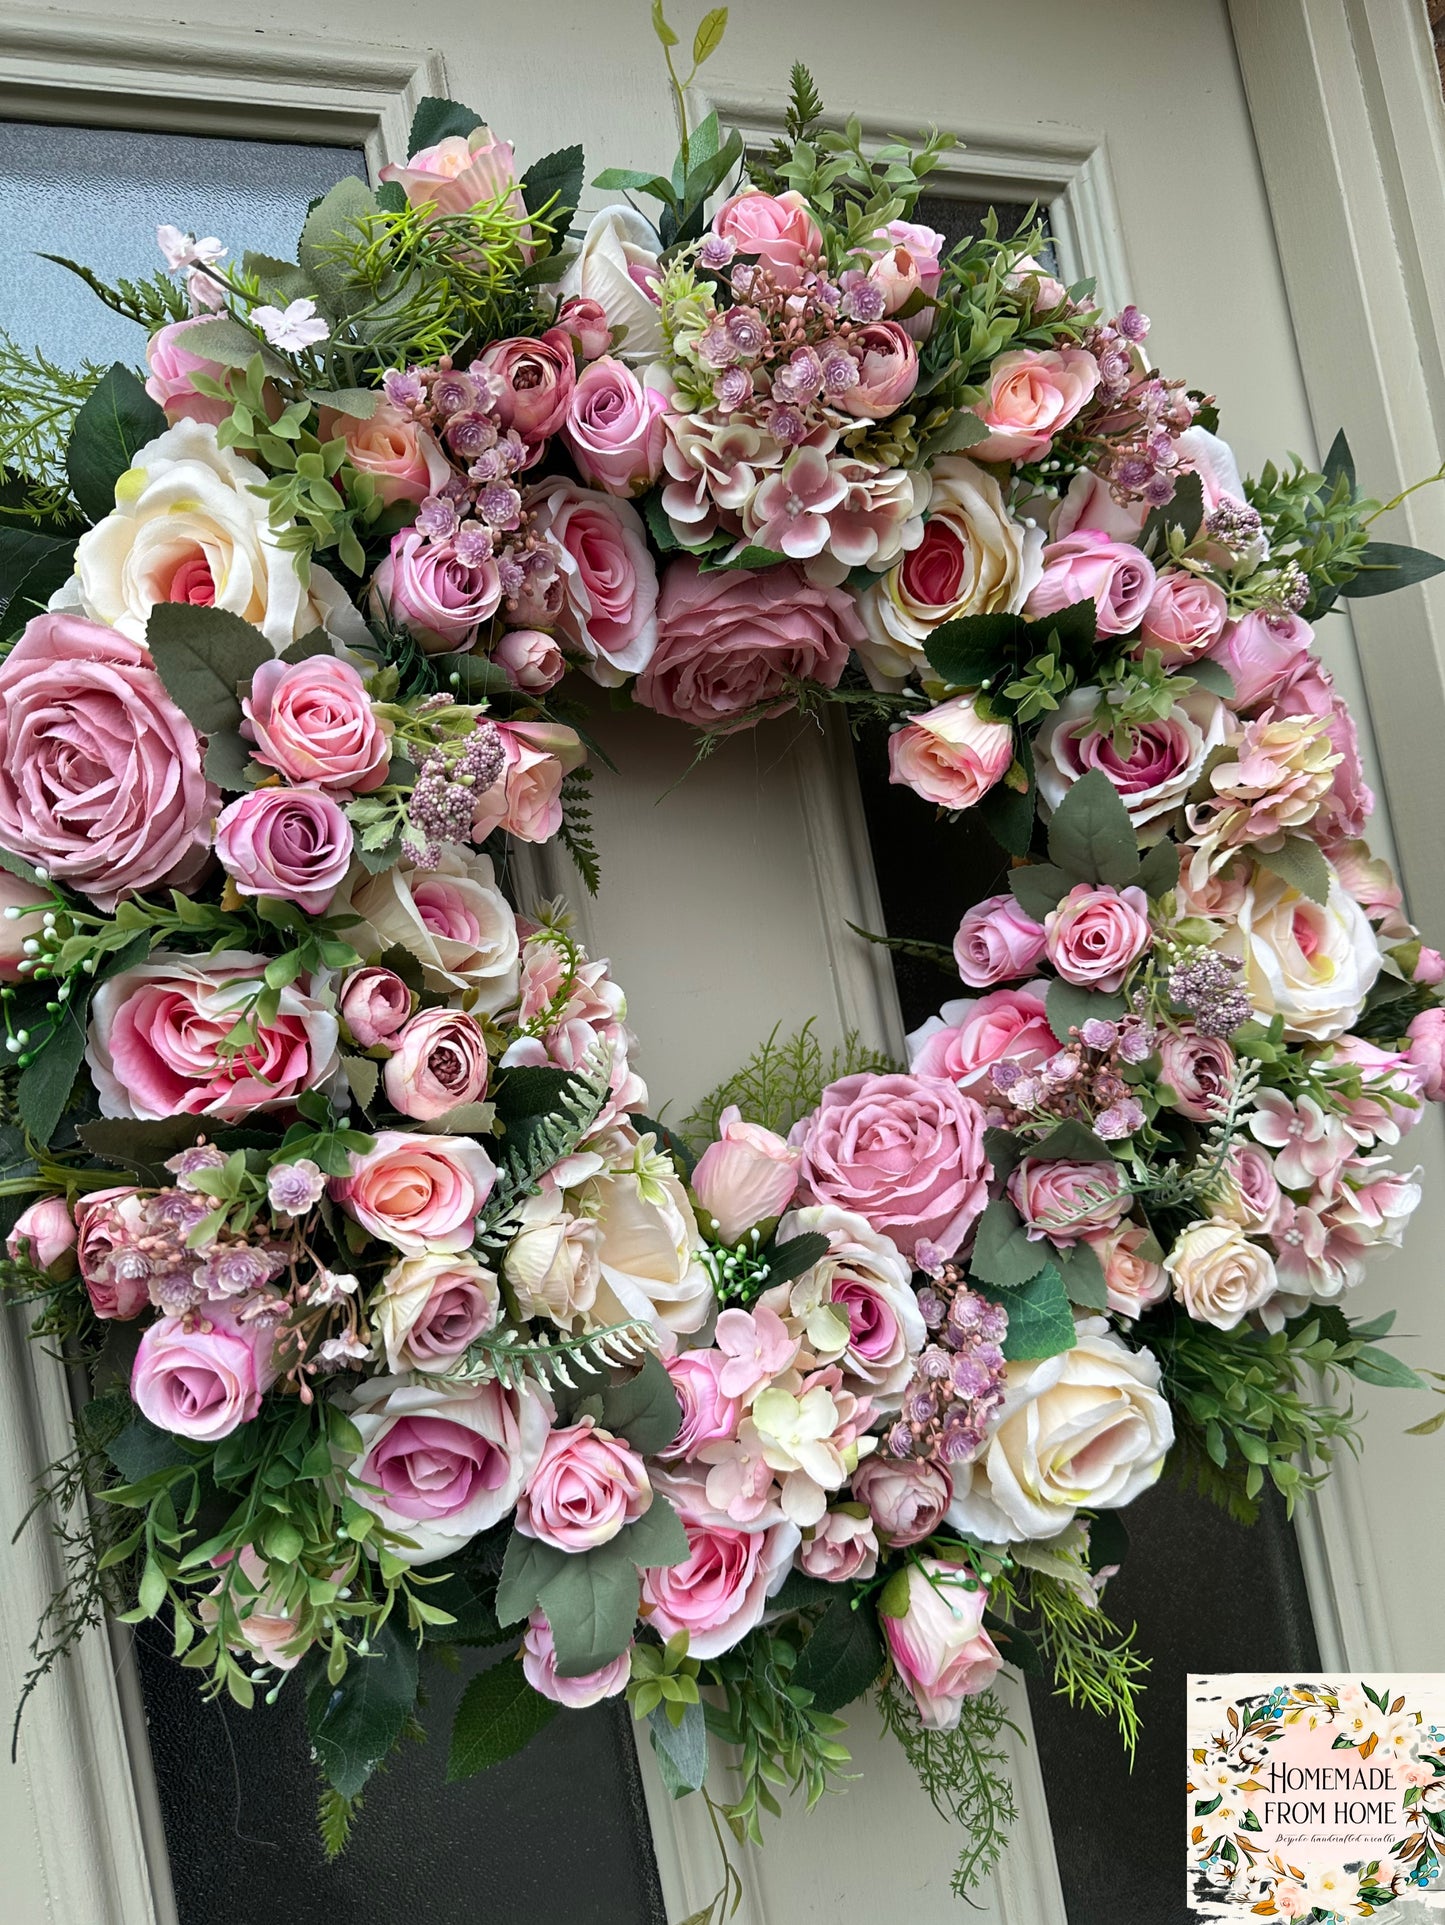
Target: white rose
column 1163, row 762
column 1086, row 1429
column 617, row 240
column 552, row 1263
column 979, row 560
column 1218, row 1274
column 186, row 527
column 648, row 1241
column 1311, row 963
column 454, row 920
column 856, row 1306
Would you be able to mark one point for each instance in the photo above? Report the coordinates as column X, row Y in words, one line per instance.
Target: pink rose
column 537, row 378
column 431, row 1308
column 1133, row 1278
column 1064, row 1198
column 526, row 799
column 1185, row 617
column 313, row 722
column 912, row 257
column 1154, row 770
column 30, row 905
column 1199, row 1070
column 1032, row 394
column 841, row 1548
column 907, row 1498
column 374, row 1003
column 586, row 321
column 100, row 773
column 587, row 1486
column 46, row 1232
column 996, row 942
column 1095, row 935
column 403, row 458
column 539, row 1666
column 1259, row 651
column 904, row 1152
column 720, row 1591
column 1088, row 504
column 708, row 1416
column 951, row 755
column 941, row 1650
column 747, row 1176
column 291, row 843
column 605, row 589
column 440, row 1061
column 418, row 1192
column 104, row 1220
column 614, row 428
column 1011, row 1025
column 728, row 640
column 171, row 367
column 462, row 172
column 158, row 1043
column 1429, row 967
column 428, row 588
column 887, row 370
column 1086, row 566
column 203, row 1374
column 262, row 1627
column 530, row 660
column 779, row 230
column 441, row 1462
column 1254, row 1197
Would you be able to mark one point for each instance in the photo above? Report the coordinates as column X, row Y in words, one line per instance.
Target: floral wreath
column 406, row 1322
column 1224, row 1828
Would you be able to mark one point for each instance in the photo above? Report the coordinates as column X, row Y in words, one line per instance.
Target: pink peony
column 1032, row 393
column 907, row 1498
column 1065, row 1198
column 779, row 230
column 904, row 1152
column 439, row 1061
column 536, row 381
column 941, row 1650
column 526, row 800
column 539, row 1665
column 530, row 660
column 418, row 1192
column 203, row 1374
column 614, row 428
column 1259, row 652
column 605, row 590
column 841, row 1549
column 45, row 1231
column 1185, row 617
column 1199, row 1070
column 1095, row 935
column 313, row 722
column 720, row 1591
column 728, row 640
column 996, row 942
column 951, row 755
column 294, row 844
column 1133, row 1279
column 425, row 586
column 971, row 1035
column 1086, row 566
column 100, row 773
column 374, row 1003
column 588, row 1485
column 172, row 365
column 158, row 1043
column 746, row 1177
column 887, row 370
column 461, row 172
column 708, row 1415
column 104, row 1220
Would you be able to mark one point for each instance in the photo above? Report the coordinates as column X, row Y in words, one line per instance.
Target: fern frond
column 966, row 1773
column 505, row 1355
column 520, row 1171
column 937, row 953
column 149, row 303
column 39, row 401
column 335, row 1815
column 782, row 1081
column 576, row 829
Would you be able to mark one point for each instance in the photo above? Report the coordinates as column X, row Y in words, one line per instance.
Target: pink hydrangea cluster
column 1087, row 1078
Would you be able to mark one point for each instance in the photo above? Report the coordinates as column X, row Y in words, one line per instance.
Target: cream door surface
column 725, row 898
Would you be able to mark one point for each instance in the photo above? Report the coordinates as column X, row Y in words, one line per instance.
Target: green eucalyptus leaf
column 498, row 1715
column 203, row 655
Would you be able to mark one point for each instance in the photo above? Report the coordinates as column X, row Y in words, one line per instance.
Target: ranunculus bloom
column 940, row 1648
column 1199, row 1070
column 537, row 378
column 172, row 365
column 586, row 1487
column 418, row 1193
column 374, row 1003
column 614, row 428
column 586, row 321
column 747, row 1176
column 539, row 1665
column 157, row 1045
column 453, row 919
column 1032, row 393
column 708, row 1415
column 461, row 172
column 616, row 266
column 439, row 1062
column 1218, row 1274
column 1086, row 566
column 1313, row 964
column 729, row 639
column 24, row 927
column 1153, row 773
column 967, row 1037
column 442, row 1462
column 1185, row 616
column 1133, row 1277
column 402, row 458
column 950, row 755
column 203, row 1374
column 46, row 1231
column 104, row 1218
column 842, row 1548
column 429, row 589
column 291, row 843
column 887, row 370
column 551, row 1263
column 530, row 659
column 606, row 583
column 1087, row 1429
column 924, row 248
column 1063, row 1199
column 1096, row 934
column 867, row 1285
column 903, row 1152
column 1259, row 651
column 1427, row 1051
column 429, row 1308
column 526, row 799
column 721, row 1589
column 906, row 1497
column 997, row 942
column 778, row 229
column 312, row 722
column 101, row 777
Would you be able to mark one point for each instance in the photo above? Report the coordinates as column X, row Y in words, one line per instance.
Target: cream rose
column 1313, row 964
column 1218, row 1274
column 454, row 920
column 551, row 1263
column 615, row 265
column 647, row 1247
column 1087, row 1428
column 855, row 1307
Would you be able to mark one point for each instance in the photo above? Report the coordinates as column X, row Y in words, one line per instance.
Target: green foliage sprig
column 966, row 1773
column 782, row 1080
column 783, row 1742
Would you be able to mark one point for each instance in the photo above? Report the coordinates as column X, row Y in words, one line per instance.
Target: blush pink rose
column 1199, row 1070
column 728, row 640
column 951, row 755
column 172, row 366
column 101, row 778
column 104, row 1220
column 708, row 1416
column 427, row 587
column 1259, row 651
column 887, row 359
column 1095, row 935
column 526, row 799
column 294, row 844
column 939, row 1646
column 1088, row 504
column 720, row 1590
column 588, row 1485
column 1310, row 690
column 1032, row 394
column 461, row 172
column 158, row 1039
column 431, row 1308
column 536, row 377
column 46, row 1232
column 605, row 590
column 778, row 229
column 1153, row 770
column 403, row 458
column 964, row 1043
column 906, row 1497
column 586, row 321
column 747, row 1176
column 997, row 942
column 842, row 1547
column 201, row 1375
column 530, row 660
column 374, row 1003
column 1185, row 617
column 440, row 1062
column 1064, row 1198
column 418, row 1192
column 1086, row 566
column 1133, row 1278
column 614, row 428
column 923, row 249
column 539, row 1667
column 313, row 722
column 904, row 1152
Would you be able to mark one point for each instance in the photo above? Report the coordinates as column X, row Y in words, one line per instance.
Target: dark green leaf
column 356, row 1723
column 658, row 525
column 966, row 652
column 436, row 120
column 33, row 592
column 1083, row 1277
column 1004, row 1152
column 20, row 550
column 961, row 430
column 1008, row 813
column 644, row 1409
column 1184, row 510
column 499, row 1714
column 281, row 281
column 1074, row 1140
column 799, row 1592
column 142, row 1147
column 591, row 1604
column 141, row 1449
column 1159, row 868
column 1386, row 565
column 681, row 1748
column 1016, row 1646
column 1214, row 676
column 667, row 1139
column 1339, row 461
column 1040, row 1322
column 1090, row 835
column 791, row 1259
column 228, row 761
column 843, row 1656
column 526, row 1569
column 1003, row 1252
column 18, row 866
column 657, row 1538
column 558, row 175
column 1070, row 1007
column 118, row 418
column 1302, row 865
column 202, row 655
column 315, row 642
column 472, row 1605
column 1108, row 1542
column 1037, row 888
column 47, row 1080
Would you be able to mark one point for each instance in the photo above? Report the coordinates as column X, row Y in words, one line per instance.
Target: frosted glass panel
column 98, row 196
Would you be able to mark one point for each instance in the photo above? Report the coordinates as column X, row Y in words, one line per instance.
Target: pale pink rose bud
column 539, row 1666
column 313, row 722
column 25, row 926
column 1185, row 617
column 1063, row 1199
column 708, row 1417
column 1429, row 967
column 1086, row 566
column 203, row 1374
column 1427, row 1051
column 1096, row 934
column 1199, row 1070
column 778, row 229
column 526, row 800
column 586, row 321
column 997, row 942
column 374, row 1003
column 939, row 1646
column 842, row 1547
column 906, row 1497
column 1032, row 394
column 1133, row 1279
column 172, row 365
column 440, row 1062
column 587, row 1486
column 887, row 359
column 1259, row 651
column 951, row 755
column 261, row 1626
column 294, row 844
column 614, row 428
column 46, row 1232
column 530, row 659
column 746, row 1178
